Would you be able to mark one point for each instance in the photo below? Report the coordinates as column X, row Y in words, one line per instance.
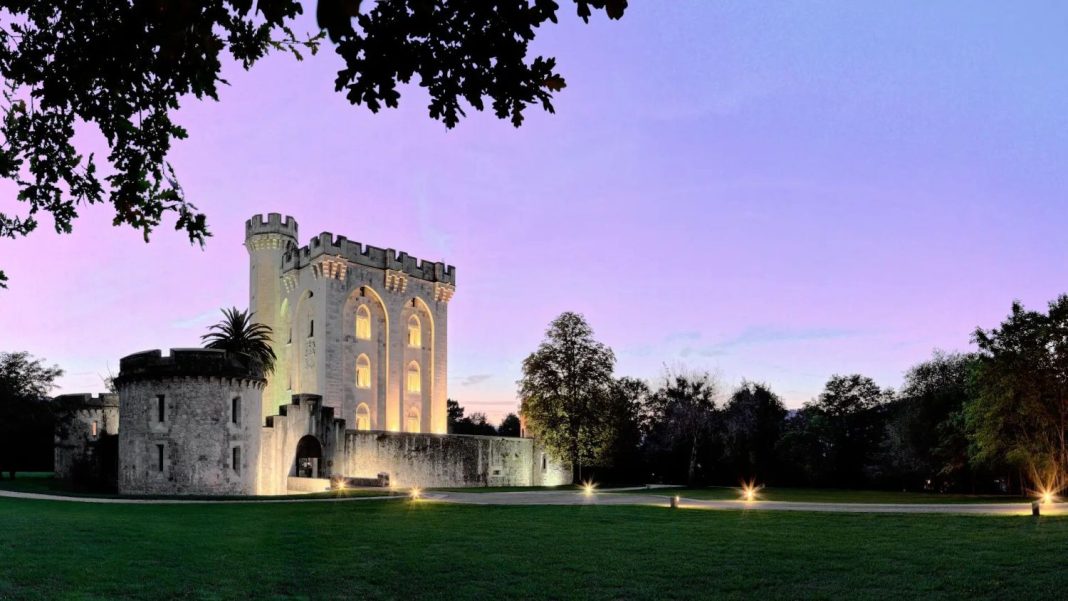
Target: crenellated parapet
column 326, row 244
column 188, row 363
column 273, row 223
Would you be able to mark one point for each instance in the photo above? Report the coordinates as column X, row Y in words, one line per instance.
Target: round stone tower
column 189, row 423
column 267, row 241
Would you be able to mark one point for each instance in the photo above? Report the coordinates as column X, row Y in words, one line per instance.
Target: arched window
column 415, row 332
column 363, row 372
column 363, row 323
column 412, row 420
column 363, row 417
column 414, row 383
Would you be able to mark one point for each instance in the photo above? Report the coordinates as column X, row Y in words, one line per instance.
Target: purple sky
column 778, row 193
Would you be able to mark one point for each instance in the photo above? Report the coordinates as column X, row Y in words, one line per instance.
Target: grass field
column 831, row 495
column 403, row 550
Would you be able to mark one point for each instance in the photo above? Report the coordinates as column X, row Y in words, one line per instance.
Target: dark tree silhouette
column 509, row 426
column 121, row 66
column 237, row 333
column 25, row 415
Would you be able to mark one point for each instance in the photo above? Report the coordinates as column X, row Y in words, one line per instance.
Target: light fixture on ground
column 588, row 488
column 749, row 492
column 415, row 492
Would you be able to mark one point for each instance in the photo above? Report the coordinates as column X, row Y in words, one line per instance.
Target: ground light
column 749, row 492
column 415, row 493
column 588, row 487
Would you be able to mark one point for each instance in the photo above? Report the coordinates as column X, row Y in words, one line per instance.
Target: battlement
column 194, row 362
column 273, row 224
column 85, row 400
column 326, row 244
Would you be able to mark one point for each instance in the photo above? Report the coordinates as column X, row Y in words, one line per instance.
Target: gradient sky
column 777, row 193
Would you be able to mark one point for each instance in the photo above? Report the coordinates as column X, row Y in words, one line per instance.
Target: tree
column 683, row 413
column 25, row 416
column 453, row 414
column 753, row 423
column 1019, row 417
column 123, row 66
column 564, row 388
column 476, row 423
column 509, row 426
column 849, row 421
column 626, row 423
column 927, row 442
column 237, row 333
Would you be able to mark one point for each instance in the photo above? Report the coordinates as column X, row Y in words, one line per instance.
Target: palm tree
column 237, row 333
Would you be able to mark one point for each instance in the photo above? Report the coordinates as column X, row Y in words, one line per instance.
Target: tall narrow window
column 413, row 420
column 363, row 417
column 159, row 457
column 235, row 410
column 236, row 459
column 289, row 339
column 363, row 372
column 311, row 328
column 414, row 381
column 92, row 429
column 415, row 334
column 363, row 323
column 161, row 408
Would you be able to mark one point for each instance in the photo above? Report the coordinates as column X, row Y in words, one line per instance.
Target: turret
column 267, row 241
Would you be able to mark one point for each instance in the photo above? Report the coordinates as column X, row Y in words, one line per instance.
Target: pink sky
column 777, row 193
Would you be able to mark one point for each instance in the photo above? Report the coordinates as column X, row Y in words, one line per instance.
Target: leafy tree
column 237, row 333
column 753, row 423
column 850, row 420
column 564, row 389
column 927, row 441
column 509, row 426
column 1020, row 414
column 453, row 414
column 683, row 413
column 626, row 422
column 25, row 416
column 123, row 66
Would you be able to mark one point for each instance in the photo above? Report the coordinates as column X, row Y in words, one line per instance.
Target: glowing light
column 415, row 492
column 1047, row 497
column 588, row 488
column 749, row 492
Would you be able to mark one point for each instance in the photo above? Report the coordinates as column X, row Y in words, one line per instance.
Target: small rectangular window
column 159, row 457
column 311, row 328
column 237, row 459
column 92, row 429
column 161, row 408
column 235, row 410
column 289, row 339
column 544, row 462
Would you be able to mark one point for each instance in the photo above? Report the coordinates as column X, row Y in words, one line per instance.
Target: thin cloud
column 474, row 379
column 196, row 321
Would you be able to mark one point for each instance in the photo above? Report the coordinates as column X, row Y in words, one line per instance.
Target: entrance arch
column 309, row 456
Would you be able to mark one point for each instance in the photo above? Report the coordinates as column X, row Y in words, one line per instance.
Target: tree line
column 991, row 420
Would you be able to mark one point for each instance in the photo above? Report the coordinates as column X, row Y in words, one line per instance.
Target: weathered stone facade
column 189, row 423
column 358, row 391
column 85, row 422
column 364, row 327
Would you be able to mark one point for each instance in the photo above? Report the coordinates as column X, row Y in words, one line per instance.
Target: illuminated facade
column 361, row 326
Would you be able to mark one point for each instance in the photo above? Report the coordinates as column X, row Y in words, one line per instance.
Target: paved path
column 564, row 497
column 622, row 498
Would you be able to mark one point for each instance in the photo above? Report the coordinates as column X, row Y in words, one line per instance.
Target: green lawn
column 403, row 550
column 830, row 495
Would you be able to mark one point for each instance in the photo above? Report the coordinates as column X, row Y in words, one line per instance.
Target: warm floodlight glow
column 587, row 487
column 749, row 492
column 415, row 493
column 1047, row 497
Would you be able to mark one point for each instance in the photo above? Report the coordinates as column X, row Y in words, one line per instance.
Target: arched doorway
column 309, row 456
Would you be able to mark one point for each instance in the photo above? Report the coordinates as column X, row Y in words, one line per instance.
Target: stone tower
column 267, row 241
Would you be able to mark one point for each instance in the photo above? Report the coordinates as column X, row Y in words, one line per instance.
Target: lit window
column 415, row 334
column 363, row 323
column 363, row 417
column 363, row 372
column 415, row 383
column 92, row 429
column 413, row 420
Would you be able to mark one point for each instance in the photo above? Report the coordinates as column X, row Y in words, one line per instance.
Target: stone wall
column 85, row 420
column 198, row 432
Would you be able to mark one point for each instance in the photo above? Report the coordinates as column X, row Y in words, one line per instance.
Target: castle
column 357, row 395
